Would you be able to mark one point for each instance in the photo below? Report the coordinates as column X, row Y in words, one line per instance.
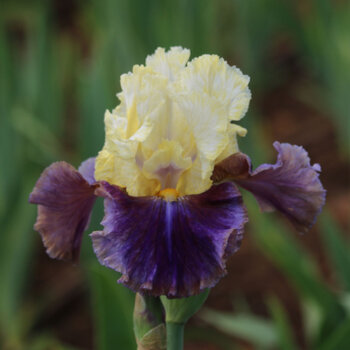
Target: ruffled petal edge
column 291, row 185
column 65, row 198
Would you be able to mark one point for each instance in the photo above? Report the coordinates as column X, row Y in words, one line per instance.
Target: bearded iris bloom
column 169, row 172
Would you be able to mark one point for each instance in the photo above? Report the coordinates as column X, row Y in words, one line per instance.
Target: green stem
column 175, row 335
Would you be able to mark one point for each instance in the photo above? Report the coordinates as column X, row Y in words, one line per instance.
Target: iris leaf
column 337, row 248
column 112, row 308
column 15, row 252
column 298, row 267
column 256, row 330
column 283, row 327
column 338, row 339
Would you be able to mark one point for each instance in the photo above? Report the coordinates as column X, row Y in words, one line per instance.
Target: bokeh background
column 60, row 62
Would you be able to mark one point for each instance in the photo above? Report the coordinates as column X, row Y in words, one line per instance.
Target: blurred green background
column 60, row 63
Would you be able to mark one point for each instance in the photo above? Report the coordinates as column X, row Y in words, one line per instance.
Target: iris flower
column 169, row 172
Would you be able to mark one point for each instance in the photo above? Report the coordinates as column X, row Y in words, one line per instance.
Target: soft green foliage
column 283, row 328
column 324, row 34
column 338, row 249
column 256, row 330
column 302, row 273
column 53, row 94
column 112, row 305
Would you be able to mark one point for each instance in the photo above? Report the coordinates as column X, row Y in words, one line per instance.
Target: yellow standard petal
column 173, row 124
column 169, row 63
column 196, row 179
column 207, row 121
column 232, row 146
column 167, row 164
column 211, row 75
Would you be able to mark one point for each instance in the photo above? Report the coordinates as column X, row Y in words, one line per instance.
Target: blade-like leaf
column 298, row 266
column 112, row 308
column 284, row 329
column 337, row 248
column 255, row 330
column 338, row 339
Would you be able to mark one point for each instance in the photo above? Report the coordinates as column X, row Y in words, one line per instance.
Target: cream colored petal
column 130, row 124
column 212, row 76
column 167, row 163
column 182, row 131
column 160, row 126
column 143, row 91
column 232, row 146
column 104, row 167
column 132, row 84
column 207, row 122
column 168, row 63
column 172, row 124
column 124, row 173
column 196, row 179
column 115, row 141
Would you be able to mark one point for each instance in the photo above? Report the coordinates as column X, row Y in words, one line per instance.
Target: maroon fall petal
column 291, row 186
column 236, row 166
column 176, row 248
column 65, row 200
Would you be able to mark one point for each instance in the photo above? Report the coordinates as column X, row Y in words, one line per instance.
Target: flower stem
column 175, row 335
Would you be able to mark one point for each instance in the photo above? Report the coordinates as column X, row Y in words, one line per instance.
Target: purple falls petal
column 174, row 248
column 291, row 186
column 65, row 200
column 87, row 169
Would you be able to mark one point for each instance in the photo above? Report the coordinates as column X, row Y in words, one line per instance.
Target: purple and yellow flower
column 169, row 171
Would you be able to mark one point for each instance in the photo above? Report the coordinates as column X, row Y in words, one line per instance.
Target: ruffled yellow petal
column 207, row 121
column 104, row 167
column 167, row 164
column 168, row 63
column 211, row 75
column 115, row 136
column 124, row 173
column 197, row 178
column 173, row 123
column 143, row 91
column 232, row 146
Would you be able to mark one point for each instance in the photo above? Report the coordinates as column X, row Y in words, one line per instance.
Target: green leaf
column 283, row 327
column 312, row 316
column 337, row 248
column 255, row 330
column 45, row 342
column 15, row 253
column 299, row 268
column 338, row 339
column 112, row 308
